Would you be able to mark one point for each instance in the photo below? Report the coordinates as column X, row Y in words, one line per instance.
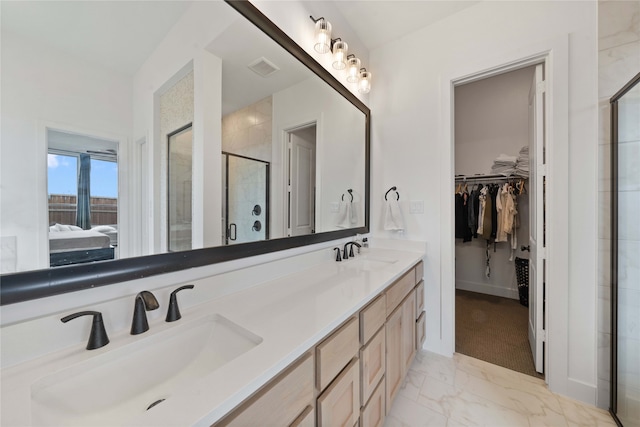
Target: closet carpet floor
column 494, row 329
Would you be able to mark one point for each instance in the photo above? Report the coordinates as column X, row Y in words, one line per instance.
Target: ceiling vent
column 263, row 67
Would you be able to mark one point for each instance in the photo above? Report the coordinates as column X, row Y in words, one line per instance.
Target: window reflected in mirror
column 82, row 189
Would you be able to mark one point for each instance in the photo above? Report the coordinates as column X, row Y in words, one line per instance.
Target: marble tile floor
column 464, row 391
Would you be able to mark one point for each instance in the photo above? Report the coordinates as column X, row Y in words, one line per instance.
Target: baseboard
column 581, row 391
column 484, row 288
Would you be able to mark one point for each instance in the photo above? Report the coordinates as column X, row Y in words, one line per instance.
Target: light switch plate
column 416, row 206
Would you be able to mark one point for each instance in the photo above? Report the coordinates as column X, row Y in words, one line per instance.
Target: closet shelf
column 489, row 177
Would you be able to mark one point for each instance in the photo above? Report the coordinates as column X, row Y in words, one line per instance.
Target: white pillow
column 75, row 228
column 103, row 228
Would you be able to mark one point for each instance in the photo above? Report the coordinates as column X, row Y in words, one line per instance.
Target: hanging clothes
column 494, row 190
column 474, row 200
column 482, row 197
column 462, row 216
column 487, row 222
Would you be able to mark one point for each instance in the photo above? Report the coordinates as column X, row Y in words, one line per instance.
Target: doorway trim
column 554, row 54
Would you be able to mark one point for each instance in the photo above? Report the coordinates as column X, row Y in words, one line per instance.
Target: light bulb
column 340, row 49
column 364, row 83
column 353, row 69
column 323, row 36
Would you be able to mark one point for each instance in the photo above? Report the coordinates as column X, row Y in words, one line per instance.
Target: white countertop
column 290, row 314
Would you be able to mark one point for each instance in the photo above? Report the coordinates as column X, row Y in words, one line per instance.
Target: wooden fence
column 62, row 210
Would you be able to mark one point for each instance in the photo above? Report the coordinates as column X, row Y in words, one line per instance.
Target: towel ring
column 350, row 193
column 394, row 188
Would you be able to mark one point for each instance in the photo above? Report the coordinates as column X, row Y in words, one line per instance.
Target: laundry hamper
column 522, row 276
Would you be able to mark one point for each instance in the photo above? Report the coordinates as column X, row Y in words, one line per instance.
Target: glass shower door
column 625, row 322
column 246, row 199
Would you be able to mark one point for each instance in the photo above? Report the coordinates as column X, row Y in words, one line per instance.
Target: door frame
column 554, row 54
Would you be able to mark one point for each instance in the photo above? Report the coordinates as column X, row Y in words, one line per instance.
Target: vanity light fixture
column 353, row 69
column 323, row 35
column 364, row 82
column 341, row 59
column 340, row 49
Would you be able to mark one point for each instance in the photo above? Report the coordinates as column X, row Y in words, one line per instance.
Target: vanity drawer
column 306, row 419
column 420, row 297
column 281, row 402
column 334, row 353
column 372, row 365
column 339, row 405
column 396, row 292
column 373, row 413
column 420, row 331
column 372, row 318
column 419, row 271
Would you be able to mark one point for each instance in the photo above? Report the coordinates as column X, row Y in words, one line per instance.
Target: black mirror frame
column 30, row 285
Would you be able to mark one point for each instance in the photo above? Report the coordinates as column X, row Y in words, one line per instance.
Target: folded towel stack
column 522, row 164
column 504, row 165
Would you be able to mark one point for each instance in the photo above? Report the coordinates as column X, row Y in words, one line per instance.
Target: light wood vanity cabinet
column 283, row 402
column 357, row 371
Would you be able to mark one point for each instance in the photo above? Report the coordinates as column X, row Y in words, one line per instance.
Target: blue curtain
column 83, row 210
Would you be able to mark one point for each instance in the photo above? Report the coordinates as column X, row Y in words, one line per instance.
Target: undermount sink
column 367, row 262
column 112, row 387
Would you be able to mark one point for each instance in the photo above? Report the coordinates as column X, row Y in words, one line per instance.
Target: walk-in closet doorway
column 499, row 157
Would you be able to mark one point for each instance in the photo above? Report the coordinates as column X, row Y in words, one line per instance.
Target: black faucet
column 98, row 336
column 338, row 257
column 173, row 313
column 145, row 301
column 350, row 254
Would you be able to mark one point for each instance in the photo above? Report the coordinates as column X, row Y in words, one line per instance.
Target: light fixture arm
column 316, row 20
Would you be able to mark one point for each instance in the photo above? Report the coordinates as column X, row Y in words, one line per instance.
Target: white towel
column 344, row 215
column 353, row 213
column 393, row 216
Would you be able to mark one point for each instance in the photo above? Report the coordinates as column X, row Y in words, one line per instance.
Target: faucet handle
column 338, row 257
column 98, row 336
column 173, row 313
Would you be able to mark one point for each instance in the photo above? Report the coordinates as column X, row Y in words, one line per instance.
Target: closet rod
column 496, row 177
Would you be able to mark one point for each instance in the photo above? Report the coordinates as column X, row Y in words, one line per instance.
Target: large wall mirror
column 140, row 138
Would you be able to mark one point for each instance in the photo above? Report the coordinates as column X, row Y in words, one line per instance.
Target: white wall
column 618, row 62
column 411, row 148
column 46, row 88
column 491, row 118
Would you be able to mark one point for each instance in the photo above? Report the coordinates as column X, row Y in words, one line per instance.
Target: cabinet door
column 420, row 297
column 420, row 331
column 372, row 360
column 339, row 405
column 408, row 332
column 394, row 375
column 281, row 402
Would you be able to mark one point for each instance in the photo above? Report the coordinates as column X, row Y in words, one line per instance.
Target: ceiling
column 103, row 31
column 377, row 22
column 119, row 35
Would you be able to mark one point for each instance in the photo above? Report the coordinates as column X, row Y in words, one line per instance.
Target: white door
column 537, row 182
column 302, row 182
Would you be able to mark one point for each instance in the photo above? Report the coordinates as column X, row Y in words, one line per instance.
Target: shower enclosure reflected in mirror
column 625, row 255
column 246, row 192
